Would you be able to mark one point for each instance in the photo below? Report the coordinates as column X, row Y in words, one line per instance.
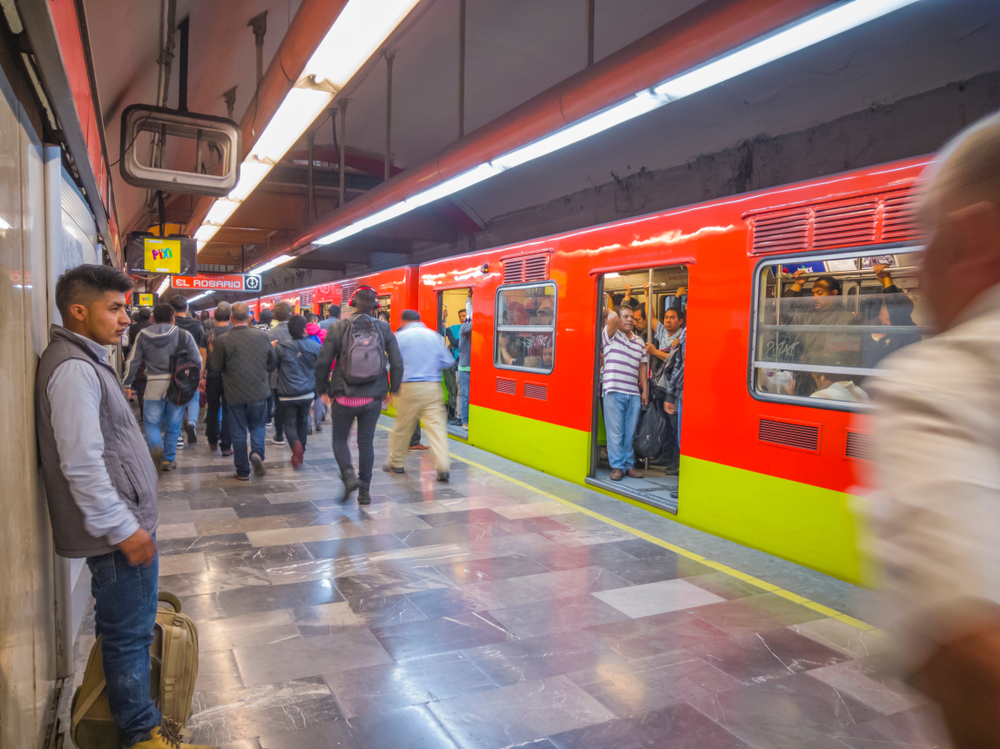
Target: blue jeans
column 125, row 612
column 192, row 409
column 621, row 414
column 463, row 383
column 245, row 417
column 675, row 419
column 155, row 413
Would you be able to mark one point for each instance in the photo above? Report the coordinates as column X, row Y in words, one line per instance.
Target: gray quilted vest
column 125, row 453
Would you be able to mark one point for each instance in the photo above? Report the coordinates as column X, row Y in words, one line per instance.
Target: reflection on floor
column 481, row 615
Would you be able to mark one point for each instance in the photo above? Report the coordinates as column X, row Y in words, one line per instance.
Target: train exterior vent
column 506, row 386
column 792, row 434
column 860, row 446
column 533, row 390
column 899, row 217
column 513, row 270
column 845, row 224
column 536, row 267
column 305, row 300
column 784, row 231
column 346, row 291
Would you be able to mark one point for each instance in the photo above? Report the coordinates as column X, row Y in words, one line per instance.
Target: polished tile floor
column 483, row 614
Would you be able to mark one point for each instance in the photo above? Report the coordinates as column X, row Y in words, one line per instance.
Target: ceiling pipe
column 708, row 31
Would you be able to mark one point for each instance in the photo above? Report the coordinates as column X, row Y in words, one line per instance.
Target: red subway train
column 773, row 407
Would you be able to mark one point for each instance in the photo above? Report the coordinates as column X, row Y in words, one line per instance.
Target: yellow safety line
column 763, row 584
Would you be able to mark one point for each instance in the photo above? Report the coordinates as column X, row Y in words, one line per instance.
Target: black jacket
column 296, row 366
column 330, row 353
column 245, row 357
column 192, row 326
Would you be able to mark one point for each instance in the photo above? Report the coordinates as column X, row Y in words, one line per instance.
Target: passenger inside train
column 823, row 341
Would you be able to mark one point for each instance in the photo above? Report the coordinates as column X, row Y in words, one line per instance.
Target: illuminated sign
column 145, row 300
column 163, row 255
column 217, row 282
column 146, row 254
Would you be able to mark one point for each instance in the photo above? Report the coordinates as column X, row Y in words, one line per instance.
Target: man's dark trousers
column 243, row 418
column 217, row 401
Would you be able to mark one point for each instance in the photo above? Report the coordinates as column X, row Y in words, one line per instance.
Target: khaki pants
column 418, row 400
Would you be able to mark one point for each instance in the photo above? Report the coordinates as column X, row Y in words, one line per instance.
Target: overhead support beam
column 590, row 31
column 461, row 68
column 388, row 115
column 259, row 25
column 709, row 31
column 310, row 184
column 343, row 149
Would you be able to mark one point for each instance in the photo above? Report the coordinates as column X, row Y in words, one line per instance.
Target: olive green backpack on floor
column 174, row 670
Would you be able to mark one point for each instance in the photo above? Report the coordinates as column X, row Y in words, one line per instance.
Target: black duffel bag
column 652, row 430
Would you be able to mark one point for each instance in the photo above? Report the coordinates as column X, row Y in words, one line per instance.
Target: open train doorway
column 638, row 375
column 452, row 314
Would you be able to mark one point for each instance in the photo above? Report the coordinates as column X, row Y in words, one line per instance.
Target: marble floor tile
column 248, row 712
column 870, row 680
column 561, row 614
column 598, row 534
column 651, row 635
column 752, row 659
column 213, row 581
column 653, row 682
column 835, row 634
column 264, row 508
column 556, row 557
column 285, row 536
column 226, row 542
column 658, row 569
column 263, row 598
column 219, row 527
column 542, row 587
column 264, row 558
column 299, row 657
column 533, row 510
column 448, row 534
column 532, row 658
column 392, row 582
column 461, row 517
column 657, row 598
column 674, row 726
column 443, row 602
column 448, row 633
column 918, row 728
column 335, row 734
column 494, row 568
column 167, row 531
column 780, row 712
column 519, row 713
column 178, row 564
column 198, row 516
column 364, row 692
column 640, row 548
column 218, row 673
column 755, row 614
column 724, row 586
column 354, row 546
column 246, row 631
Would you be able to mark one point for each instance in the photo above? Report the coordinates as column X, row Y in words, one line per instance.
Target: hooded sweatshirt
column 314, row 331
column 154, row 346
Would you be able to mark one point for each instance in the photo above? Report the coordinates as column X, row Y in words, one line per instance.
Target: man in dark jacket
column 246, row 359
column 216, row 428
column 101, row 489
column 296, row 389
column 155, row 346
column 349, row 401
column 184, row 321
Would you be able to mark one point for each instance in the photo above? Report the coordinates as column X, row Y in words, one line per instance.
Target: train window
column 822, row 325
column 526, row 327
column 385, row 307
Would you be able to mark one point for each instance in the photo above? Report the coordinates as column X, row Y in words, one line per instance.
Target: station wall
column 27, row 616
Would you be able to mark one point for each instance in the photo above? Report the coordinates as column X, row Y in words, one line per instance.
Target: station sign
column 217, row 282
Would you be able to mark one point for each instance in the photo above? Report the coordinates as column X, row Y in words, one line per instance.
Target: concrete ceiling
column 515, row 49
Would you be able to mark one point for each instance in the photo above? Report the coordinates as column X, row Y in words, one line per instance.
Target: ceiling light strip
column 356, row 34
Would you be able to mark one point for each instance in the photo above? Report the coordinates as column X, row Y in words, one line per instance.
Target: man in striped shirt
column 624, row 390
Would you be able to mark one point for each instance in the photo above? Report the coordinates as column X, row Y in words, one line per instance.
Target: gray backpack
column 362, row 352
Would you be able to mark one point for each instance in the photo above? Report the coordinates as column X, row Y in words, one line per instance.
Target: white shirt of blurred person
column 536, row 349
column 625, row 389
column 937, row 443
column 668, row 338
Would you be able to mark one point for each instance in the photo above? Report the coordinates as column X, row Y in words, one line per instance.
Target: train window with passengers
column 526, row 327
column 822, row 325
column 385, row 307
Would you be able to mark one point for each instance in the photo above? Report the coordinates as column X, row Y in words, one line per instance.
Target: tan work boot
column 167, row 736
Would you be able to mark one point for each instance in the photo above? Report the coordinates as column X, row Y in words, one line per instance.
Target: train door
column 451, row 315
column 656, row 302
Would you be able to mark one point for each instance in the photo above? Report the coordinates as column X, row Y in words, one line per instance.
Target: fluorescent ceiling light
column 814, row 29
column 296, row 113
column 163, row 285
column 251, row 174
column 338, row 235
column 270, row 264
column 220, row 211
column 199, row 296
column 4, row 226
column 627, row 110
column 206, row 232
column 359, row 30
column 462, row 181
column 386, row 214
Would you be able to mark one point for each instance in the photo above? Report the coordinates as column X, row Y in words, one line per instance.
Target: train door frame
column 652, row 306
column 454, row 430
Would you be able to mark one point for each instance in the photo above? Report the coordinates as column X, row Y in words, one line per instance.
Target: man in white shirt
column 938, row 451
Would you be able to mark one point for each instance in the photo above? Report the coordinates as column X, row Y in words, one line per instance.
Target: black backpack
column 185, row 374
column 651, row 433
column 362, row 352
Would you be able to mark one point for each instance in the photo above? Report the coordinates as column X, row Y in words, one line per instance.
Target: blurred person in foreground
column 938, row 451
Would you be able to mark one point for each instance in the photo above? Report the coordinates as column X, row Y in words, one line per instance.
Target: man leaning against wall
column 101, row 489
